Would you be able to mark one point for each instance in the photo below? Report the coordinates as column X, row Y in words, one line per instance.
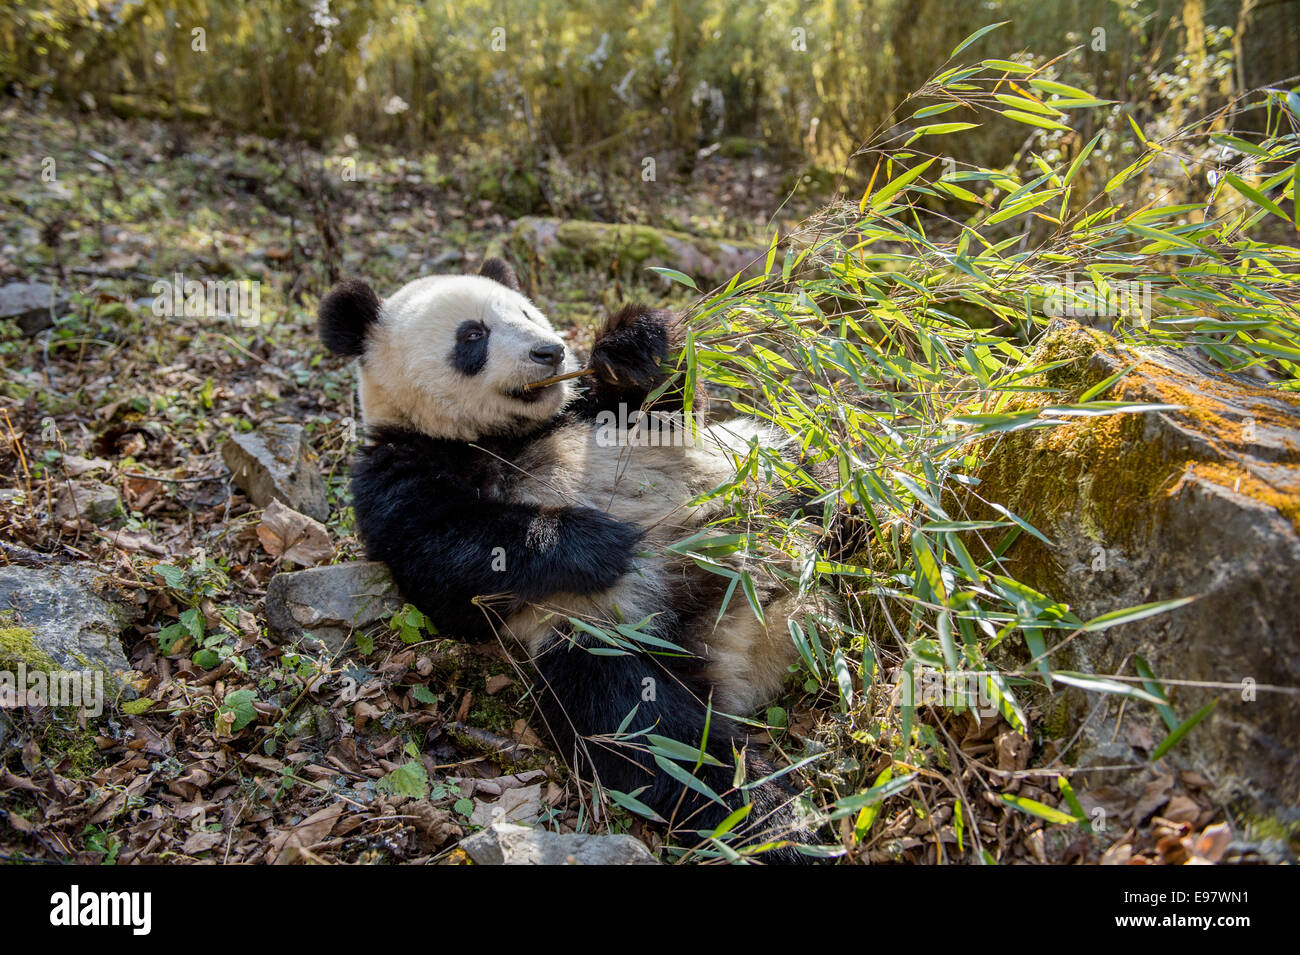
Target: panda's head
column 449, row 355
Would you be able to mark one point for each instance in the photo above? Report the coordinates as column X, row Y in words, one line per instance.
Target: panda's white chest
column 646, row 480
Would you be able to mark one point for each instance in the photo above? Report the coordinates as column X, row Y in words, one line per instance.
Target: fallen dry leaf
column 295, row 537
column 286, row 843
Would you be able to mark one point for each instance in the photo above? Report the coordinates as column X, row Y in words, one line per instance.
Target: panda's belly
column 632, row 478
column 643, row 484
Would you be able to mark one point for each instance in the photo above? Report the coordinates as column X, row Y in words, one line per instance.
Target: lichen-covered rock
column 506, row 844
column 538, row 243
column 31, row 305
column 1200, row 501
column 330, row 602
column 60, row 618
column 275, row 463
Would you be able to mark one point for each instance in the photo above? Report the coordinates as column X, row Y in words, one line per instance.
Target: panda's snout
column 552, row 355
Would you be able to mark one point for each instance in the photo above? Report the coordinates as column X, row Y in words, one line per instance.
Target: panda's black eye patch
column 470, row 354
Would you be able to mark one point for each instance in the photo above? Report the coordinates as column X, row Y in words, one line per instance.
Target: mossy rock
column 136, row 106
column 1198, row 499
column 18, row 645
column 62, row 619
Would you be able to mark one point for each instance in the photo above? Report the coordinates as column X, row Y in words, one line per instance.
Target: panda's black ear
column 346, row 314
column 499, row 270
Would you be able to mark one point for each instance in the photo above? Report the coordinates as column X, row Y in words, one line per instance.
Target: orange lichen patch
column 1109, row 476
column 1218, row 408
column 1285, row 500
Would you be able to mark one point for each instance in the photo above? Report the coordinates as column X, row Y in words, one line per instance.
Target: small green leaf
column 410, row 779
column 238, row 709
column 1255, row 196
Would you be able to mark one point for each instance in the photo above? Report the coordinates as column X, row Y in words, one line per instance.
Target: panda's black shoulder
column 395, row 458
column 391, row 449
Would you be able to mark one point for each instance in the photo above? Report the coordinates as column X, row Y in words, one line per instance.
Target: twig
column 558, row 378
column 174, row 480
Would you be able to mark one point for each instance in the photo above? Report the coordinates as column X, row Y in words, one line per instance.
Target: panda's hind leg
column 585, row 698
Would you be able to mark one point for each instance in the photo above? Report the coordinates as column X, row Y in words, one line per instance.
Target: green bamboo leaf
column 1155, row 689
column 870, row 797
column 1032, row 119
column 975, row 36
column 1025, row 103
column 898, row 183
column 1183, row 729
column 686, row 779
column 934, row 110
column 634, row 805
column 1007, row 66
column 1128, row 172
column 681, row 278
column 732, row 820
column 1059, row 89
column 1098, row 684
column 938, row 129
column 1072, row 801
column 1130, row 614
column 867, row 815
column 1034, row 808
column 675, row 749
column 1255, row 196
column 1078, row 102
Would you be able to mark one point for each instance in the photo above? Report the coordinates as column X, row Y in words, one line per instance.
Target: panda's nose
column 548, row 355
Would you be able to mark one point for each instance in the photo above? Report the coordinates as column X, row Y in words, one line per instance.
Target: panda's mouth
column 529, row 395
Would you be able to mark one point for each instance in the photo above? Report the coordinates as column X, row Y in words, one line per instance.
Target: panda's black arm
column 627, row 358
column 446, row 546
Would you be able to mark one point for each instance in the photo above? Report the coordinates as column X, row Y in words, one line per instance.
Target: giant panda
column 506, row 510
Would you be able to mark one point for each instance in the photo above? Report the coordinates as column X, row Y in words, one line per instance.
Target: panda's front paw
column 632, row 348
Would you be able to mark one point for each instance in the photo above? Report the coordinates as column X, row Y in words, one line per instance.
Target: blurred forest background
column 583, row 85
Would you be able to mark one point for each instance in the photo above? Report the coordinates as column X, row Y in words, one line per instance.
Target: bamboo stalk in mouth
column 558, row 378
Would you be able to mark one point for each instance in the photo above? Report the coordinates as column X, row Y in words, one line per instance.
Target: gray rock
column 330, row 602
column 1200, row 501
column 29, row 304
column 72, row 619
column 96, row 502
column 506, row 844
column 275, row 463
